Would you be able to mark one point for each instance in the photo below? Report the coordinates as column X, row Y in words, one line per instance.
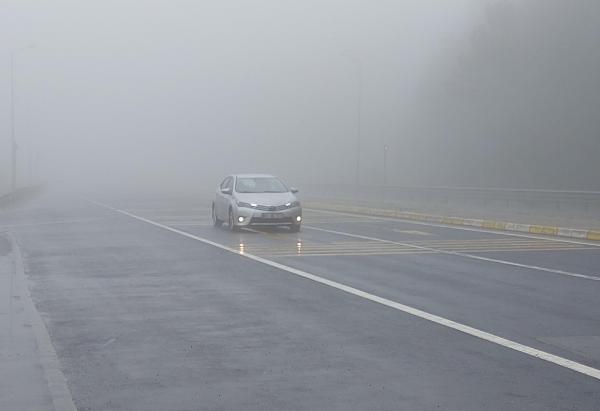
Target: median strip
column 584, row 234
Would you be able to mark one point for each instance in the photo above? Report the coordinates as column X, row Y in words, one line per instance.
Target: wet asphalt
column 146, row 319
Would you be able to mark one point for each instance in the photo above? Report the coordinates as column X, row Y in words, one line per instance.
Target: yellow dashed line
column 541, row 229
column 341, row 248
column 496, row 225
column 593, row 235
column 349, row 254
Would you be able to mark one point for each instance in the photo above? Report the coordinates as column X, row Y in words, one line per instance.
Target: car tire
column 232, row 226
column 216, row 222
column 295, row 228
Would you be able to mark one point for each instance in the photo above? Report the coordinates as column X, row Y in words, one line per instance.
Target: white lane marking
column 411, row 232
column 72, row 221
column 57, row 383
column 459, row 254
column 167, row 210
column 454, row 227
column 99, row 204
column 542, row 355
column 186, row 224
column 195, row 217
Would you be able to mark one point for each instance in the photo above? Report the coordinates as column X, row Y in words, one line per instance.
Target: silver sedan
column 256, row 199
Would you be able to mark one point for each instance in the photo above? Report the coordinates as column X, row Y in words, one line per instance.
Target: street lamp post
column 13, row 140
column 385, row 150
column 358, row 120
column 359, row 90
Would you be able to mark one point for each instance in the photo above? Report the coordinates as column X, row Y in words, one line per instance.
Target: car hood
column 266, row 199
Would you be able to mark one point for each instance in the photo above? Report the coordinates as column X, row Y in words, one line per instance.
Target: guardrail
column 574, row 203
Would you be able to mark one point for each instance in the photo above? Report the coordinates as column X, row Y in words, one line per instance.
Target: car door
column 222, row 200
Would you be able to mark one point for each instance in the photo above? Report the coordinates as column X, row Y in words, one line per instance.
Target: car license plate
column 272, row 215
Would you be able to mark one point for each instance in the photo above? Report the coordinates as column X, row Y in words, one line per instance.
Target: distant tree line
column 520, row 105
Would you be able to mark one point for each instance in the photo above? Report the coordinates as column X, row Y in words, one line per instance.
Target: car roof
column 253, row 175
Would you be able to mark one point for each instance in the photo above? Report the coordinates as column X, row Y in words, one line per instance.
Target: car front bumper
column 265, row 218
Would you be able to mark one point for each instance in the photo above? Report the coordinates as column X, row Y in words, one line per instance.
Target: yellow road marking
column 593, row 235
column 347, row 254
column 412, row 232
column 387, row 250
column 364, row 248
column 374, row 245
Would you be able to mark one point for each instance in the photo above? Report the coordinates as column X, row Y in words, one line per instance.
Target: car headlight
column 244, row 205
column 295, row 204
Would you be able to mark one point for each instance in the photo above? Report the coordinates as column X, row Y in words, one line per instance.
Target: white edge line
column 58, row 388
column 75, row 221
column 453, row 227
column 459, row 254
column 563, row 362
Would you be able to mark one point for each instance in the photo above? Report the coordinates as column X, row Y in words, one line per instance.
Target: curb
column 593, row 235
column 58, row 388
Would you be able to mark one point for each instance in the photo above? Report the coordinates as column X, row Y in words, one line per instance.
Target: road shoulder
column 30, row 377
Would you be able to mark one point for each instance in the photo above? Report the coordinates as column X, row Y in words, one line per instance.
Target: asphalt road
column 149, row 307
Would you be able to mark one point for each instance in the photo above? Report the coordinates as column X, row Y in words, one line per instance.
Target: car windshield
column 259, row 185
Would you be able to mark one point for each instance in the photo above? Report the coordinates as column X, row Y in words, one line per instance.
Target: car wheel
column 295, row 228
column 216, row 221
column 232, row 225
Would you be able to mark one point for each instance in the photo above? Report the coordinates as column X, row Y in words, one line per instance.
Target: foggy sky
column 164, row 90
column 144, row 93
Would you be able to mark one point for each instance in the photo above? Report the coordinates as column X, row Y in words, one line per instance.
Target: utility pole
column 13, row 139
column 359, row 90
column 385, row 150
column 13, row 142
column 358, row 120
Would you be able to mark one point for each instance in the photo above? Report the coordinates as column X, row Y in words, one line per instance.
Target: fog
column 143, row 94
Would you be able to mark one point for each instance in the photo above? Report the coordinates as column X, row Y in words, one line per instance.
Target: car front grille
column 271, row 208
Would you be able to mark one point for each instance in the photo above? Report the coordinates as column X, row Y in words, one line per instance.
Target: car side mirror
column 226, row 191
column 293, row 190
